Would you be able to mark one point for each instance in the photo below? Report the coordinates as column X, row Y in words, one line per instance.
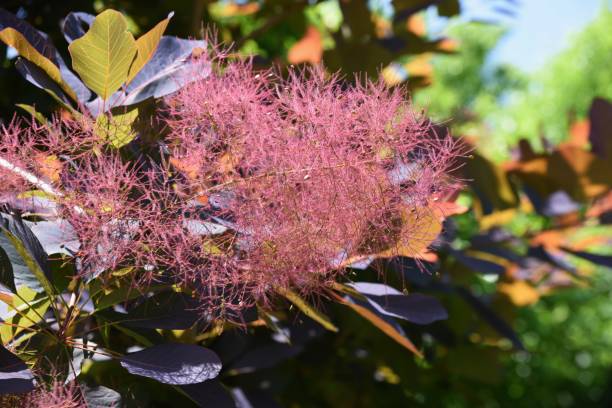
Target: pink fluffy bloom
column 262, row 184
column 310, row 172
column 59, row 395
column 56, row 395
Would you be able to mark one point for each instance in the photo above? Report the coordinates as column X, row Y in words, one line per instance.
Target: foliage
column 125, row 258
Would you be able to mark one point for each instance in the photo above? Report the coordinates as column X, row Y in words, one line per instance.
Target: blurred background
column 525, row 271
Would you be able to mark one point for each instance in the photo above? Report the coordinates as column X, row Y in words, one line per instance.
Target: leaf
column 485, row 263
column 174, row 363
column 308, row 49
column 102, row 57
column 415, row 307
column 380, row 323
column 30, row 251
column 603, row 260
column 168, row 70
column 73, row 25
column 100, row 397
column 33, row 112
column 38, row 40
column 263, row 357
column 307, row 309
column 490, row 317
column 147, row 45
column 117, row 128
column 209, row 394
column 172, row 311
column 40, row 79
column 253, row 398
column 15, row 377
column 15, row 39
column 6, row 271
column 519, row 292
column 600, row 132
column 55, row 237
column 27, row 309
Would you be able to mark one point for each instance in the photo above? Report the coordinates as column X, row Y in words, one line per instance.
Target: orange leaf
column 308, row 49
column 416, row 25
column 519, row 292
column 50, row 166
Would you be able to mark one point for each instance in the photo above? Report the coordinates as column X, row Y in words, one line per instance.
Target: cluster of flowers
column 261, row 182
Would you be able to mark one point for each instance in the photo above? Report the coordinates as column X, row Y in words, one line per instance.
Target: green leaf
column 32, row 111
column 27, row 310
column 105, row 297
column 103, row 56
column 15, row 39
column 307, row 309
column 147, row 45
column 116, row 128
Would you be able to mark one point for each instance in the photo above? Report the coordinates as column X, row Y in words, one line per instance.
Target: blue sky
column 538, row 30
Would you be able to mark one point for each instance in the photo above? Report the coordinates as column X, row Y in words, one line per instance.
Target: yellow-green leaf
column 116, row 128
column 307, row 309
column 103, row 56
column 15, row 39
column 146, row 45
column 25, row 311
column 32, row 111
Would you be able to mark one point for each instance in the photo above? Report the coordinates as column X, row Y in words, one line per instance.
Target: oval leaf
column 103, row 56
column 174, row 363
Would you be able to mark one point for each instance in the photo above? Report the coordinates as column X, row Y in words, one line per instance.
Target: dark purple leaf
column 36, row 278
column 600, row 134
column 209, row 394
column 76, row 24
column 174, row 363
column 542, row 254
column 489, row 316
column 603, row 260
column 478, row 265
column 253, row 399
column 100, row 397
column 55, row 236
column 164, row 311
column 15, row 377
column 7, row 278
column 39, row 78
column 415, row 307
column 38, row 40
column 264, row 357
column 559, row 203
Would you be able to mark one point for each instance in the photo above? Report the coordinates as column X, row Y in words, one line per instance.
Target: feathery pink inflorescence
column 310, row 171
column 265, row 183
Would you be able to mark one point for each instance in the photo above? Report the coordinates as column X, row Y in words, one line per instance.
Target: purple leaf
column 76, row 24
column 174, row 363
column 264, row 357
column 209, row 394
column 415, row 308
column 15, row 377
